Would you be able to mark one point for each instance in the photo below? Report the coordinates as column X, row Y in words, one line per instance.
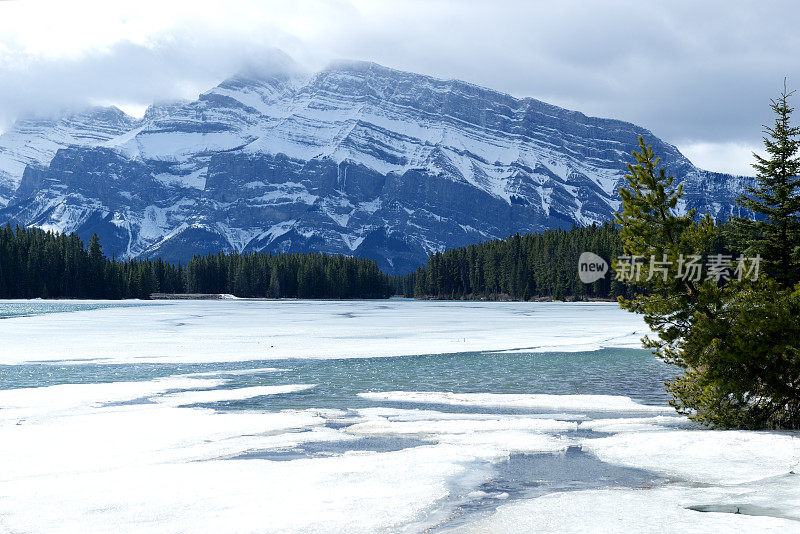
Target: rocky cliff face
column 356, row 159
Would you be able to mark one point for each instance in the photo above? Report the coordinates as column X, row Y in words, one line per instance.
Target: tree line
column 35, row 263
column 521, row 267
column 296, row 275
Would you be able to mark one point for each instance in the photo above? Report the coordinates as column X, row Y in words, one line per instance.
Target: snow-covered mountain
column 356, row 159
column 36, row 141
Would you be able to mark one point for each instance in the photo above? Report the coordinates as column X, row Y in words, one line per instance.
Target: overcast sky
column 699, row 74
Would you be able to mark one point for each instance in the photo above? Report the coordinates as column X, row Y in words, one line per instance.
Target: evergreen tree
column 775, row 233
column 735, row 339
column 650, row 228
column 96, row 269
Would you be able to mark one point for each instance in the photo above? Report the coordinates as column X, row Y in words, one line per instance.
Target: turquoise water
column 629, row 372
column 39, row 307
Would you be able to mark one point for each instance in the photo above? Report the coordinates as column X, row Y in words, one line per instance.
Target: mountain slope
column 356, row 159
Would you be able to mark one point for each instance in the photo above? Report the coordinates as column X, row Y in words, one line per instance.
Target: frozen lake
column 394, row 416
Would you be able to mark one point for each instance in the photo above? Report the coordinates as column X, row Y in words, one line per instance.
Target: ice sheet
column 150, row 466
column 403, row 414
column 622, row 510
column 217, row 331
column 483, row 435
column 70, row 461
column 460, row 426
column 76, row 463
column 635, row 424
column 721, row 457
column 372, row 492
column 71, row 398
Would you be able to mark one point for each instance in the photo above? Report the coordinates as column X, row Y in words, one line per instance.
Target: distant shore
column 192, row 296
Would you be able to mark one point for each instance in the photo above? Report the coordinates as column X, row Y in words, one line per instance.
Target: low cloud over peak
column 699, row 75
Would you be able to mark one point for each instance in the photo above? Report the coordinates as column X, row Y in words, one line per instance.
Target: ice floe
column 484, row 435
column 635, row 424
column 460, row 426
column 580, row 403
column 69, row 398
column 222, row 395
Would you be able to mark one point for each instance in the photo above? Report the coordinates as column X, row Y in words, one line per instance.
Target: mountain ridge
column 357, row 159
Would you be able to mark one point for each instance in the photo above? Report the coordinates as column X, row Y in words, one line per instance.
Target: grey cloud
column 128, row 73
column 689, row 71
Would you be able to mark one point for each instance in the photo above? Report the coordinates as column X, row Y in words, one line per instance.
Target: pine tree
column 775, row 234
column 96, row 271
column 241, row 285
column 650, row 228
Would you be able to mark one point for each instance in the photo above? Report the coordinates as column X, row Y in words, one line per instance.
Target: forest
column 35, row 263
column 521, row 267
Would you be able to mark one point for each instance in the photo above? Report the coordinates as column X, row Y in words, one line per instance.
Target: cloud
column 698, row 74
column 733, row 158
column 125, row 74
